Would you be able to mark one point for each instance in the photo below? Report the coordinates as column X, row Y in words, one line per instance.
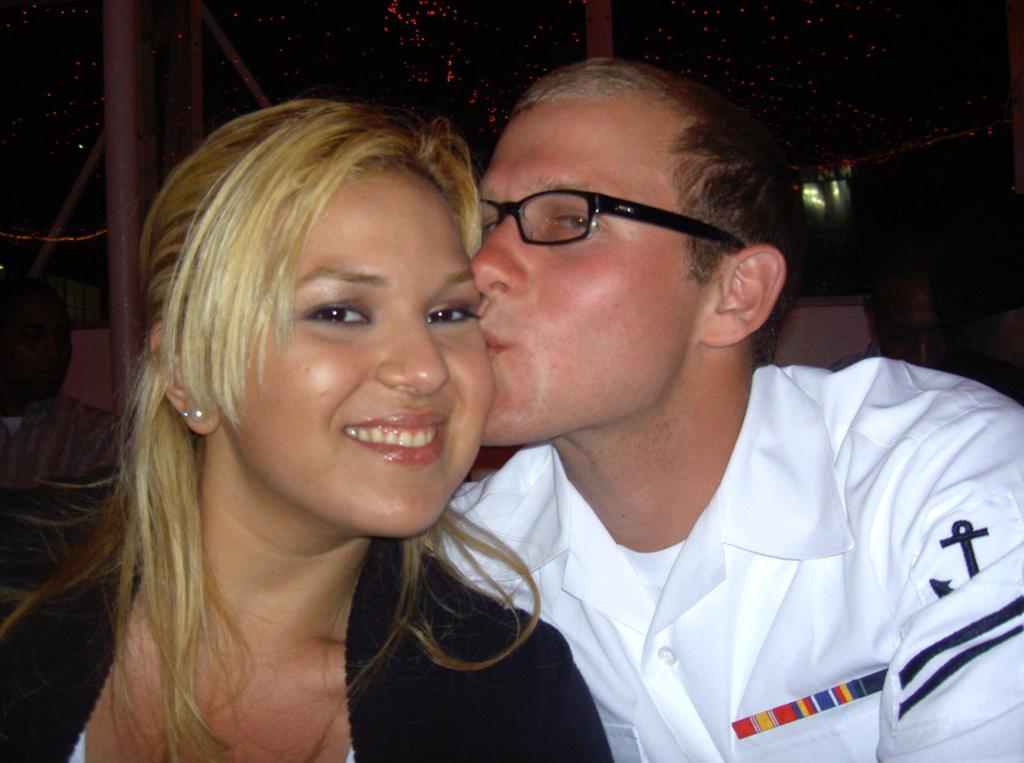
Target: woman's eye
column 451, row 315
column 336, row 314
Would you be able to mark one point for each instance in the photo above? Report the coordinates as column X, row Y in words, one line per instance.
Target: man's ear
column 747, row 286
column 200, row 421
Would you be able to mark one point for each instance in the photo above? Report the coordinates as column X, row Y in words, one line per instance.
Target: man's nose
column 499, row 264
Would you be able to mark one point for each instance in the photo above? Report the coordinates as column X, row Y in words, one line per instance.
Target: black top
column 531, row 706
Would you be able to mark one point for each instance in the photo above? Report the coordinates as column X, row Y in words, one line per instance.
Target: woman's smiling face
column 368, row 416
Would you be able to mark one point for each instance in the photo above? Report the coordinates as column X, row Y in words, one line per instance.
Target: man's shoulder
column 888, row 401
column 919, row 455
column 898, row 446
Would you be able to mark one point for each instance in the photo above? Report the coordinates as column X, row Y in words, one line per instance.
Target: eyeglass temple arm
column 671, row 220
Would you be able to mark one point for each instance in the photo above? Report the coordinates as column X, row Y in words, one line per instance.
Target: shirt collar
column 524, row 504
column 550, row 519
column 779, row 495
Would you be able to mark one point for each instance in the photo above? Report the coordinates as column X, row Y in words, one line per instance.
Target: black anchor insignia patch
column 963, row 532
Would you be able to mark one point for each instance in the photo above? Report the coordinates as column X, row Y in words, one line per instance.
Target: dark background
column 907, row 100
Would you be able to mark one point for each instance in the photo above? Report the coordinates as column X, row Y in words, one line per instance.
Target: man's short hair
column 731, row 172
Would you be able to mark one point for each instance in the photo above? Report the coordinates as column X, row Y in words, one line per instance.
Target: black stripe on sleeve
column 951, row 667
column 1014, row 609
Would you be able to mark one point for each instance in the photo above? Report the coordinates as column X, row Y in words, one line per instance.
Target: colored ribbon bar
column 815, row 703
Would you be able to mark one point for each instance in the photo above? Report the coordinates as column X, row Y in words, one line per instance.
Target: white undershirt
column 652, row 567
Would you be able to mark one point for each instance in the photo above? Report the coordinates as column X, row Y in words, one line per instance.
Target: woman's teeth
column 403, row 438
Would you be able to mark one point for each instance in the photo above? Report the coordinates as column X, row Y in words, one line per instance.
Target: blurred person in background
column 45, row 436
column 900, row 310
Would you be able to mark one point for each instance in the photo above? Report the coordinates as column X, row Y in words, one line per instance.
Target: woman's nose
column 415, row 364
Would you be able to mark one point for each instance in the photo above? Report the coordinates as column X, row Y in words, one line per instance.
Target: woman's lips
column 407, row 439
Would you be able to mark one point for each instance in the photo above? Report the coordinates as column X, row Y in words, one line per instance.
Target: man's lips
column 494, row 345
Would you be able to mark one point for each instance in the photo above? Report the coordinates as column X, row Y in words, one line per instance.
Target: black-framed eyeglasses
column 552, row 218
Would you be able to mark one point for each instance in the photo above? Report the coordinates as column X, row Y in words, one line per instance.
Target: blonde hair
column 220, row 250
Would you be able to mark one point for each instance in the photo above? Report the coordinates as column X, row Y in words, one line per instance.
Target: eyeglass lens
column 555, row 217
column 550, row 217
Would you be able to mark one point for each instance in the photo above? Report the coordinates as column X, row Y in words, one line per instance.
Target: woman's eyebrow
column 348, row 276
column 355, row 276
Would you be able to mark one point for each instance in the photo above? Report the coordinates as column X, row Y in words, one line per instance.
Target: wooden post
column 236, row 60
column 81, row 182
column 123, row 127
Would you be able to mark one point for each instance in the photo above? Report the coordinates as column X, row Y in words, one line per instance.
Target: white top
column 78, row 756
column 813, row 565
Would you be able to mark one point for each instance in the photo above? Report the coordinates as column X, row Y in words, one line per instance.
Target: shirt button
column 667, row 656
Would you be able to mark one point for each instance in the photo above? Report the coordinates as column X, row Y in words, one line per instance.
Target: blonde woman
column 267, row 580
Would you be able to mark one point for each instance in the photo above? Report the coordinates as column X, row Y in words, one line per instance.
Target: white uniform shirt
column 812, row 566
